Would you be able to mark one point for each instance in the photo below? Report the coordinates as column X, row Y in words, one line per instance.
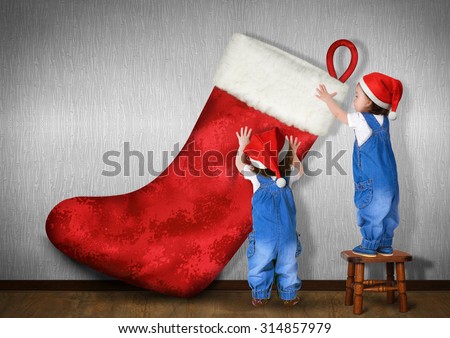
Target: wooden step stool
column 356, row 284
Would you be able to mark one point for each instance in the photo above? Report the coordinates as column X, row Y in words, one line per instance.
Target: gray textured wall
column 79, row 78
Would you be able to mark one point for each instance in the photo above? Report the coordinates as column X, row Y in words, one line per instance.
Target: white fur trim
column 277, row 83
column 371, row 95
column 257, row 164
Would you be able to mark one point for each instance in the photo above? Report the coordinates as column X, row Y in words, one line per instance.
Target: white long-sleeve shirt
column 250, row 175
column 359, row 124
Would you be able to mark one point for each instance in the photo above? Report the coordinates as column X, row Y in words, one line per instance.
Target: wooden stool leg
column 349, row 284
column 400, row 267
column 389, row 282
column 358, row 289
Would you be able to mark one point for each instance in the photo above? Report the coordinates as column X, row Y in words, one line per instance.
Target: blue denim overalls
column 273, row 244
column 376, row 186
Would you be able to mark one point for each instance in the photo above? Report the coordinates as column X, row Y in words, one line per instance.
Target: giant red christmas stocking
column 176, row 234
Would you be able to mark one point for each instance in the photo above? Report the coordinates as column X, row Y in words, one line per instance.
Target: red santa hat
column 267, row 150
column 383, row 90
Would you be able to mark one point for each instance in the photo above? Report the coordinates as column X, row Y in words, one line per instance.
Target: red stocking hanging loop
column 353, row 61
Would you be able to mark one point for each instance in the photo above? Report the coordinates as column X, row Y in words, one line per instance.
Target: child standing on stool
column 374, row 167
column 274, row 244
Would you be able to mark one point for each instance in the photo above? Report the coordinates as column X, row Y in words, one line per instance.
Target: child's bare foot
column 292, row 302
column 259, row 302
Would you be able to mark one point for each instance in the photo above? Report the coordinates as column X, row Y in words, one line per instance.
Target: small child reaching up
column 374, row 168
column 274, row 244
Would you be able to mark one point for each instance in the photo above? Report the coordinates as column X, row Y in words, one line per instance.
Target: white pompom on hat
column 267, row 150
column 281, row 182
column 383, row 90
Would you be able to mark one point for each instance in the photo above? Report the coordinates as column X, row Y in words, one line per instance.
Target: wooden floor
column 214, row 303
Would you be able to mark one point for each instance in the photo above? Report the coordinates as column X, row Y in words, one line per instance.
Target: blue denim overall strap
column 274, row 244
column 376, row 186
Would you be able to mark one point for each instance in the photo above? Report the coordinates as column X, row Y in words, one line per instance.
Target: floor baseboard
column 225, row 285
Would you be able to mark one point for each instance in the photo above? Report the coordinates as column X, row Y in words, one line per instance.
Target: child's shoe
column 259, row 302
column 292, row 302
column 362, row 251
column 385, row 250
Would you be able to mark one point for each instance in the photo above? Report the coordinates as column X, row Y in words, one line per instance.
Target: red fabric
column 353, row 60
column 177, row 233
column 266, row 148
column 384, row 88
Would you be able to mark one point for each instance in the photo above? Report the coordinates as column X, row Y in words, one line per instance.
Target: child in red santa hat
column 274, row 243
column 374, row 167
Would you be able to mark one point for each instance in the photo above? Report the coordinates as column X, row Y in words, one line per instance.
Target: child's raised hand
column 295, row 143
column 244, row 136
column 322, row 93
